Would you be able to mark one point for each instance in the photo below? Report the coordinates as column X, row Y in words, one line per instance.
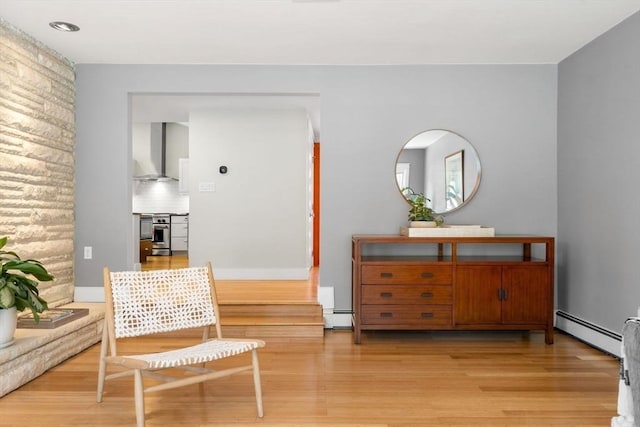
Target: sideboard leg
column 548, row 335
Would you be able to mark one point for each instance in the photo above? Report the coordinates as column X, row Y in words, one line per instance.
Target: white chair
column 147, row 302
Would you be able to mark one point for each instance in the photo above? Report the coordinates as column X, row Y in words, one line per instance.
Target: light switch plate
column 207, row 187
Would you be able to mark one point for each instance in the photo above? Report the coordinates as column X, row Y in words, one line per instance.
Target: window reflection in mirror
column 442, row 165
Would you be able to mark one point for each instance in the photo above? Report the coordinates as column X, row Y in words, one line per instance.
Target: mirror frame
column 471, row 157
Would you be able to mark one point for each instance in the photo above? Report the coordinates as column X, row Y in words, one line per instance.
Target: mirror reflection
column 442, row 165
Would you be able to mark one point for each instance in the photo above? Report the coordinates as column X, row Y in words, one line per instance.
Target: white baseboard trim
column 88, row 294
column 261, row 273
column 339, row 320
column 332, row 319
column 588, row 332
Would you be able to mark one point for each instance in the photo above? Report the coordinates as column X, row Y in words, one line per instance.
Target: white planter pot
column 8, row 323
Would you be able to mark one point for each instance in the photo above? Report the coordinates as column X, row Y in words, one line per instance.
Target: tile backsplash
column 159, row 197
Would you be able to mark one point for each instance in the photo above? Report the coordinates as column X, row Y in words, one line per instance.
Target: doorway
column 178, row 107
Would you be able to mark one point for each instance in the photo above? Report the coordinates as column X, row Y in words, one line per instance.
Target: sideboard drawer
column 407, row 294
column 407, row 274
column 407, row 315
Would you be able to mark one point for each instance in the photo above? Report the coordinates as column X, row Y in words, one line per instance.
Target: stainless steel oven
column 161, row 234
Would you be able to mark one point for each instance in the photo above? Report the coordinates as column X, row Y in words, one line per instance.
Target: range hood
column 150, row 152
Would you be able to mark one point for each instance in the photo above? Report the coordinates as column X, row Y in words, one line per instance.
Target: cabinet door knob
column 386, row 294
column 426, row 315
column 386, row 314
column 427, row 295
column 426, row 275
column 384, row 274
column 499, row 294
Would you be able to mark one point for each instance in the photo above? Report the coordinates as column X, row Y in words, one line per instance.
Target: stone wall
column 37, row 142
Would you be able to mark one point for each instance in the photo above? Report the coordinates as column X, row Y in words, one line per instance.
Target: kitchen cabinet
column 145, row 250
column 425, row 283
column 179, row 233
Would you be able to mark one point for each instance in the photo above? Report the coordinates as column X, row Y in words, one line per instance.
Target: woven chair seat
column 205, row 352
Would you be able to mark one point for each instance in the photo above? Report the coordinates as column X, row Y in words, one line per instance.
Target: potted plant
column 18, row 290
column 420, row 215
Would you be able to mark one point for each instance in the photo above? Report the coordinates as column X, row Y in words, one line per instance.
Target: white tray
column 449, row 231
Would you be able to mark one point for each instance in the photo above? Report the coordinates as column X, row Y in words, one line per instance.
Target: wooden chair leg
column 256, row 382
column 102, row 367
column 139, row 397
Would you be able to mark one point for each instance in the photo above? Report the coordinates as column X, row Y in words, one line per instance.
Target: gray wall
column 508, row 112
column 598, row 176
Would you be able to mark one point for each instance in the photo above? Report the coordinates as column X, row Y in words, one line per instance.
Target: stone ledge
column 37, row 350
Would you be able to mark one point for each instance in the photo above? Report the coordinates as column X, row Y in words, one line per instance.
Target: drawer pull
column 386, row 294
column 426, row 315
column 386, row 275
column 385, row 314
column 427, row 275
column 427, row 295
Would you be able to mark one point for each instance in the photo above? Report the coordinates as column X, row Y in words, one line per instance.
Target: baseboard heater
column 589, row 333
column 342, row 319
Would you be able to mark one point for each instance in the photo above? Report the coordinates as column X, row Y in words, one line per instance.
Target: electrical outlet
column 88, row 252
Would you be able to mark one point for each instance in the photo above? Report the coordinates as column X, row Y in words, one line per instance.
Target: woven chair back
column 148, row 302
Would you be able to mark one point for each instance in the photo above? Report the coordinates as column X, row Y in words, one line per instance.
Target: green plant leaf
column 7, row 299
column 29, row 267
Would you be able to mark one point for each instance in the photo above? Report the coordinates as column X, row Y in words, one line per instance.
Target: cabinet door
column 526, row 294
column 179, row 244
column 477, row 295
column 179, row 230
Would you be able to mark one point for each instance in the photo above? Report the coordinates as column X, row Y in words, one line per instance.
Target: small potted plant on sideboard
column 420, row 215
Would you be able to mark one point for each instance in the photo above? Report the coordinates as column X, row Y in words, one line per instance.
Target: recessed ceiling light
column 64, row 26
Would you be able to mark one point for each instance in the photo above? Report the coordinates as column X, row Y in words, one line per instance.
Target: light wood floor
column 394, row 379
column 391, row 379
column 162, row 262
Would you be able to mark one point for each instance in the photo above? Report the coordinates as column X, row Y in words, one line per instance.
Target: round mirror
column 443, row 166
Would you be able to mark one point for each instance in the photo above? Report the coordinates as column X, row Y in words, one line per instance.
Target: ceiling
column 340, row 32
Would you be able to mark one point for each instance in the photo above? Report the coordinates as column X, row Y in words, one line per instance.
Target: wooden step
column 270, row 309
column 262, row 320
column 262, row 327
column 256, row 320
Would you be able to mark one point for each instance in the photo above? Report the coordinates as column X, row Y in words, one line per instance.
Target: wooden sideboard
column 457, row 283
